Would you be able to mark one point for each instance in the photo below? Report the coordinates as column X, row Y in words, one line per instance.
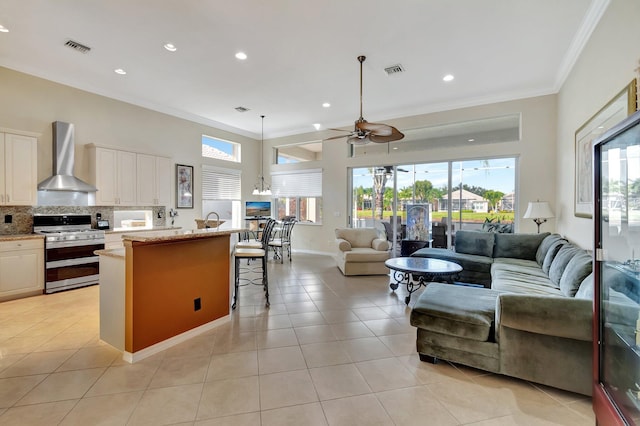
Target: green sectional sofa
column 533, row 319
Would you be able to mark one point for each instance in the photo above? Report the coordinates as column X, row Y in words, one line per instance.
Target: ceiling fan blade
column 336, row 137
column 394, row 136
column 341, row 130
column 375, row 128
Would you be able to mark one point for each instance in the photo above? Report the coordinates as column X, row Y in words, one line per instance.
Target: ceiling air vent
column 241, row 109
column 77, row 46
column 394, row 69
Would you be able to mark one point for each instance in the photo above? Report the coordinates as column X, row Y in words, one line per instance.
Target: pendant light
column 261, row 187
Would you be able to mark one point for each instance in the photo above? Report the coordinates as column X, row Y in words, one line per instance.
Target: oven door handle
column 74, row 243
column 72, row 262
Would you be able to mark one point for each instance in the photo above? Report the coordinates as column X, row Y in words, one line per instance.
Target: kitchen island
column 164, row 288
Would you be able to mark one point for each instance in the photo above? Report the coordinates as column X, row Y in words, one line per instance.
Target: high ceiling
column 300, row 54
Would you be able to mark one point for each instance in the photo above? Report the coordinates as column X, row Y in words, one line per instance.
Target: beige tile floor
column 330, row 351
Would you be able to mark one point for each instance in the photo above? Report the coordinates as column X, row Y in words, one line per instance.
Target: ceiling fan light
column 357, row 140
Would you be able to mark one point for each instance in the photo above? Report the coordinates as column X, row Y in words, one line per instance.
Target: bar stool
column 249, row 253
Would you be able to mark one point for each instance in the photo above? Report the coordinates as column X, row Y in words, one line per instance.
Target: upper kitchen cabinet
column 19, row 174
column 154, row 180
column 113, row 172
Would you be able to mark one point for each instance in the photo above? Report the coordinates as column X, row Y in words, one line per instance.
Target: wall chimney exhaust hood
column 63, row 159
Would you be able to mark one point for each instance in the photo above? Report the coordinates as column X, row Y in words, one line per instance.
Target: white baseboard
column 172, row 341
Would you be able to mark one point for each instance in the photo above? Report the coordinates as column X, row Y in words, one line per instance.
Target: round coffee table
column 422, row 270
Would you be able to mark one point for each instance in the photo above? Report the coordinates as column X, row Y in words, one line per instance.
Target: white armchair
column 359, row 251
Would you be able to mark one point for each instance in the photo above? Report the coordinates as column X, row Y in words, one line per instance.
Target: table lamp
column 539, row 211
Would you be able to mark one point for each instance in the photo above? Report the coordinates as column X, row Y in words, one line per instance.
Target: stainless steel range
column 69, row 245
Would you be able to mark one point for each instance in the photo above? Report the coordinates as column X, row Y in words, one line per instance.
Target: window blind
column 300, row 183
column 220, row 183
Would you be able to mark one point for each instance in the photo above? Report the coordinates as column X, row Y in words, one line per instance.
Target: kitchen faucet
column 206, row 220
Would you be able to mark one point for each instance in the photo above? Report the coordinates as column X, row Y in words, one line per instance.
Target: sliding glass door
column 429, row 202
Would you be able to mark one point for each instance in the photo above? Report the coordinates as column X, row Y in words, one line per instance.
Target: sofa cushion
column 552, row 252
column 468, row 262
column 576, row 271
column 360, row 254
column 466, row 312
column 545, row 245
column 475, row 242
column 519, row 246
column 560, row 262
column 523, row 282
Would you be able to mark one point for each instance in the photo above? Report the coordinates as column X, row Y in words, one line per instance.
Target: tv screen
column 257, row 208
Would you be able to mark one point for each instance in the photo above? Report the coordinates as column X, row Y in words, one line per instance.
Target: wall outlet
column 197, row 304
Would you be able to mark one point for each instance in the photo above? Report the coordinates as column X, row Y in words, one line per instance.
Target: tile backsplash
column 19, row 219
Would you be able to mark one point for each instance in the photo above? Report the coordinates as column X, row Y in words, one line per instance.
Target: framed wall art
column 618, row 108
column 184, row 186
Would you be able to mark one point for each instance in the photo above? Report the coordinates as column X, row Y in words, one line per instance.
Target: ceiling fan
column 388, row 170
column 365, row 132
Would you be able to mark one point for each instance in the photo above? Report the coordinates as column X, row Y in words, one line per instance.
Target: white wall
column 32, row 104
column 536, row 152
column 604, row 68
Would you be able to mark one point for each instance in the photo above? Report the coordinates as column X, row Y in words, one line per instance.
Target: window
column 298, row 153
column 469, row 195
column 298, row 194
column 221, row 193
column 220, row 149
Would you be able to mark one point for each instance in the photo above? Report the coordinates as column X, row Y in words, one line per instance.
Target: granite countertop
column 141, row 229
column 181, row 235
column 117, row 253
column 17, row 237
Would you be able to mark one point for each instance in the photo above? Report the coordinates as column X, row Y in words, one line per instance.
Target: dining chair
column 283, row 241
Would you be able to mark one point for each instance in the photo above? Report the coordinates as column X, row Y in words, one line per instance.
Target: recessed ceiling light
column 3, row 29
column 471, row 140
column 120, row 71
column 395, row 147
column 326, row 105
column 241, row 55
column 448, row 78
column 317, row 126
column 170, row 47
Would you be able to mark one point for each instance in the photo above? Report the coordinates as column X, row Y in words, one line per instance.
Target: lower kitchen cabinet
column 21, row 268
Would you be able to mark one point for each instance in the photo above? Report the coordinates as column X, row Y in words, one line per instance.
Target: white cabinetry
column 154, row 180
column 21, row 267
column 19, row 173
column 113, row 172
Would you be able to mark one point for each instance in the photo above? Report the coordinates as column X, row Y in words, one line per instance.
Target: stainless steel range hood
column 63, row 159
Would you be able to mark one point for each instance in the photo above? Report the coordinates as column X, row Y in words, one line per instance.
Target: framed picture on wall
column 184, row 186
column 621, row 106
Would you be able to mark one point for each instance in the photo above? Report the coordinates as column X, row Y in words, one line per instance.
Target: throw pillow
column 576, row 271
column 585, row 291
column 545, row 245
column 519, row 246
column 475, row 242
column 560, row 262
column 551, row 254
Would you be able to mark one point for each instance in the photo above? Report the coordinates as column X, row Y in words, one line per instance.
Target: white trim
column 588, row 25
column 172, row 341
column 20, row 132
column 293, row 172
column 221, row 169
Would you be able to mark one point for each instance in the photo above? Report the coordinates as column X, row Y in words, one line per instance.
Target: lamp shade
column 538, row 210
